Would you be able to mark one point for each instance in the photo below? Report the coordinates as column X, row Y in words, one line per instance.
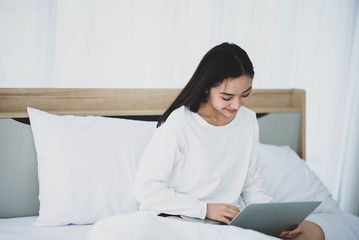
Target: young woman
column 201, row 160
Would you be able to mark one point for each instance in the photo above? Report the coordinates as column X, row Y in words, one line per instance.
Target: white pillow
column 86, row 165
column 288, row 178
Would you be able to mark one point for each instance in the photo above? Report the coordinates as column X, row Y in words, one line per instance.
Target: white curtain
column 308, row 44
column 347, row 177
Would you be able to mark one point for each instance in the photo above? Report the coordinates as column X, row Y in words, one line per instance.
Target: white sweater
column 189, row 163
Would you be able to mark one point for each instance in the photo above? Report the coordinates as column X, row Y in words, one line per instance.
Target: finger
column 286, row 235
column 291, row 234
column 295, row 232
column 225, row 220
column 229, row 215
column 233, row 210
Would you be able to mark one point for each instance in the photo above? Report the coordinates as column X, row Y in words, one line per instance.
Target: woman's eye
column 226, row 99
column 246, row 95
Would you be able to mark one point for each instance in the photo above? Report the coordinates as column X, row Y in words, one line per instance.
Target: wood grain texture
column 134, row 102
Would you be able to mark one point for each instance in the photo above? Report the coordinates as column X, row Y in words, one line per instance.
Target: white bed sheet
column 24, row 228
column 145, row 226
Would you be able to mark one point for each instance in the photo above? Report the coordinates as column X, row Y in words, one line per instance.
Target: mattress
column 24, row 228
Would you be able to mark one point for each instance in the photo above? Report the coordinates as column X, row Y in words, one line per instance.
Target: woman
column 201, row 160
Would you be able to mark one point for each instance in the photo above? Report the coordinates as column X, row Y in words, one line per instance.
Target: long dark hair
column 224, row 61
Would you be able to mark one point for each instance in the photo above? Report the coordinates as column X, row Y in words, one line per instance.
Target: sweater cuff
column 203, row 210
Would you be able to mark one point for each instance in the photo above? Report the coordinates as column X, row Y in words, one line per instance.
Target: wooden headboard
column 135, row 102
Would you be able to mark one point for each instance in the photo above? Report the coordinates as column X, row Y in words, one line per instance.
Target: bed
column 69, row 174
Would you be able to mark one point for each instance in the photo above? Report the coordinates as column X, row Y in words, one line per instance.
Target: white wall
column 111, row 43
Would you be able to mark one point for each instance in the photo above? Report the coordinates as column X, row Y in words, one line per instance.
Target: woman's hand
column 291, row 234
column 221, row 212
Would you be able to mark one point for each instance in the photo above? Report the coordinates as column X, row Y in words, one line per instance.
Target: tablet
column 273, row 218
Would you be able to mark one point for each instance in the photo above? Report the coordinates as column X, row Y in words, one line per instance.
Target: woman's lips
column 231, row 110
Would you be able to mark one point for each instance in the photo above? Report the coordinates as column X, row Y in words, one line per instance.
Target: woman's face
column 233, row 93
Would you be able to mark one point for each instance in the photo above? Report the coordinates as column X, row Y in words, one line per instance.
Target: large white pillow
column 86, row 165
column 288, row 178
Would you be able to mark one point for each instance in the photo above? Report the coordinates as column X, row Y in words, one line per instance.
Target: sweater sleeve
column 253, row 189
column 151, row 182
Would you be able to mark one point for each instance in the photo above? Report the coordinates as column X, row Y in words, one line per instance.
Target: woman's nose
column 236, row 104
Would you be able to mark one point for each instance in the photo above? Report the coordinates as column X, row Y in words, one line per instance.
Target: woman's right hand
column 221, row 212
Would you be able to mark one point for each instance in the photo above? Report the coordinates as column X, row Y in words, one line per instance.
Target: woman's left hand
column 292, row 233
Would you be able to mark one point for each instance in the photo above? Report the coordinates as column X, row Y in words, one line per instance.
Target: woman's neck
column 212, row 116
